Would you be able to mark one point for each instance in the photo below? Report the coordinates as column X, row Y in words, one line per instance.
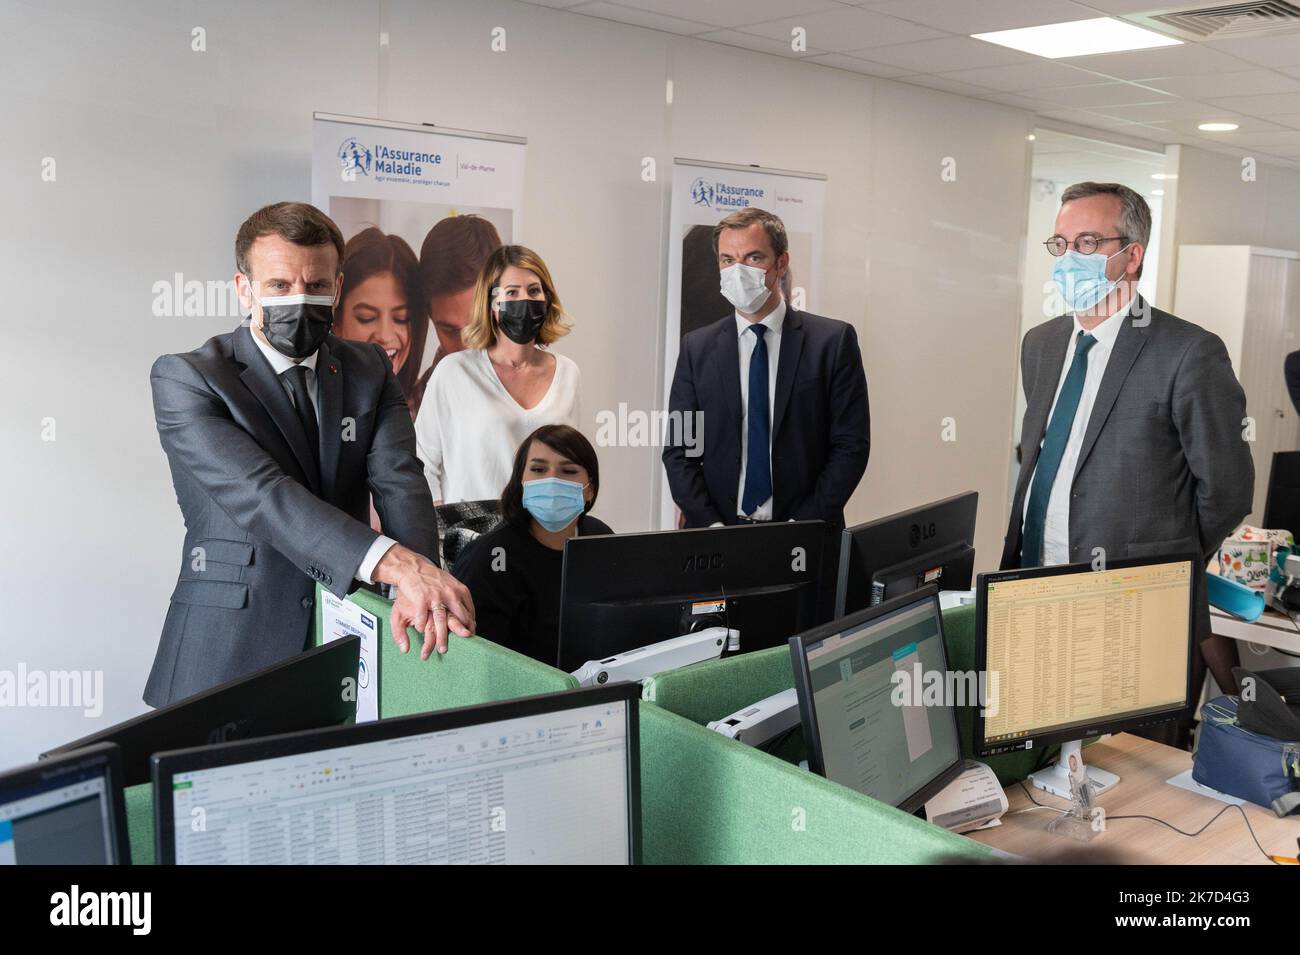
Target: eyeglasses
column 1086, row 243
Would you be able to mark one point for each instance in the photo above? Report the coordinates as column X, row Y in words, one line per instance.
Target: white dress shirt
column 748, row 340
column 1056, row 526
column 282, row 363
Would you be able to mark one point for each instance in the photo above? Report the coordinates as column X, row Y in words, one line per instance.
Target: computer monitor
column 65, row 811
column 306, row 691
column 1282, row 506
column 545, row 779
column 1073, row 652
column 895, row 555
column 624, row 591
column 868, row 720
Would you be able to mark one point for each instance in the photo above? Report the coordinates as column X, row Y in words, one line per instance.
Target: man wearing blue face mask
column 277, row 435
column 1133, row 434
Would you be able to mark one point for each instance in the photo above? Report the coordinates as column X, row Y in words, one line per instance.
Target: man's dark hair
column 744, row 218
column 296, row 222
column 453, row 253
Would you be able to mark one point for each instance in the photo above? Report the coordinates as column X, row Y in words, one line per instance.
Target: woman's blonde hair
column 481, row 330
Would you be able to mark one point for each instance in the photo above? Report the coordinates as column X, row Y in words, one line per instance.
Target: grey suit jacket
column 261, row 527
column 1164, row 467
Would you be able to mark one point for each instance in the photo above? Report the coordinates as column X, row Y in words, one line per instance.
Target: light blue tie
column 1049, row 458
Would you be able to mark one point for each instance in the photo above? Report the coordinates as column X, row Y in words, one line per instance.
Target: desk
column 1143, row 766
column 1272, row 629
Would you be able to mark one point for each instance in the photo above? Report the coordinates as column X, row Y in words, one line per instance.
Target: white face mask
column 744, row 287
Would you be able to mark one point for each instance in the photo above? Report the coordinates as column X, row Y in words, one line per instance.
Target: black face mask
column 295, row 325
column 521, row 319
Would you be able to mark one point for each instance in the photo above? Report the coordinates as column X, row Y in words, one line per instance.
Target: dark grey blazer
column 1164, row 466
column 260, row 527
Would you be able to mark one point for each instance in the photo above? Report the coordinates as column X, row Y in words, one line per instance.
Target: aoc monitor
column 68, row 810
column 1073, row 652
column 868, row 720
column 548, row 779
column 892, row 556
column 306, row 691
column 624, row 591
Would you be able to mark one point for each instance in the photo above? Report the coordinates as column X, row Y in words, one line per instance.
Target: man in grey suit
column 278, row 434
column 1133, row 436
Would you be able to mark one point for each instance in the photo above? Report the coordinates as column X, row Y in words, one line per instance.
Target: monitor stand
column 1055, row 779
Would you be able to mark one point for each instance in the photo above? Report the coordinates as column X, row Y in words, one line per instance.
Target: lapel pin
column 334, row 370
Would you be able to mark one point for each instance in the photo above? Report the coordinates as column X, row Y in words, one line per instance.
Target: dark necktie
column 1049, row 458
column 758, row 460
column 297, row 376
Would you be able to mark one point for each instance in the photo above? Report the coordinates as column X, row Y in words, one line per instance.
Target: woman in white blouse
column 483, row 401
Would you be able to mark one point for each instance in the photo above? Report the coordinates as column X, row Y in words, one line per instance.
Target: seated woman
column 513, row 571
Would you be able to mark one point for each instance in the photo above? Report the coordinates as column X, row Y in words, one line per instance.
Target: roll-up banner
column 431, row 202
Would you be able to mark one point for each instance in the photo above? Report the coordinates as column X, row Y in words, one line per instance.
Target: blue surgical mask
column 554, row 502
column 1081, row 279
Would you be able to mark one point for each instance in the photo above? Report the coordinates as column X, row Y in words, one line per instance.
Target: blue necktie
column 758, row 460
column 1049, row 458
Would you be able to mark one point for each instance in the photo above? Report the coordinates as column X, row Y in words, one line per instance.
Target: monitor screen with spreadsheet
column 548, row 779
column 1074, row 651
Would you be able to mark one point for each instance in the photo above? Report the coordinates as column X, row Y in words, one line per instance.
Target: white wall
column 161, row 152
column 1217, row 207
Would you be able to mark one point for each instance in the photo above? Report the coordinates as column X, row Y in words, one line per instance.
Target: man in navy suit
column 782, row 394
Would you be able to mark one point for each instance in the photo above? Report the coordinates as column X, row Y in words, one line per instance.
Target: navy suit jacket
column 821, row 425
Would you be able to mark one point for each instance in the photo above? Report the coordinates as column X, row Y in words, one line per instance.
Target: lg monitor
column 624, row 591
column 1072, row 652
column 547, row 779
column 68, row 810
column 868, row 720
column 306, row 691
column 895, row 555
column 1282, row 506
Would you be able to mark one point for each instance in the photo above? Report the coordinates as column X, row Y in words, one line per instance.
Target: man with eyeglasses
column 1134, row 430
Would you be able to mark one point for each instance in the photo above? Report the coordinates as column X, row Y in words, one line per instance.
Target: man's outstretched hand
column 428, row 599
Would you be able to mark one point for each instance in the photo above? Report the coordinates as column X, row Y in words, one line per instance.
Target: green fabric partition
column 717, row 688
column 473, row 670
column 706, row 799
column 139, row 822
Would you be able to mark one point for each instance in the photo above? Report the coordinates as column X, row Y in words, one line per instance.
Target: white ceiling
column 1155, row 95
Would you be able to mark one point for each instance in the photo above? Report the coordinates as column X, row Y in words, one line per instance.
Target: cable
column 1290, row 615
column 1181, row 832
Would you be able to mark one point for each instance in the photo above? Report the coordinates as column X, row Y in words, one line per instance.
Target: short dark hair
column 369, row 253
column 744, row 218
column 562, row 439
column 453, row 253
column 298, row 222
